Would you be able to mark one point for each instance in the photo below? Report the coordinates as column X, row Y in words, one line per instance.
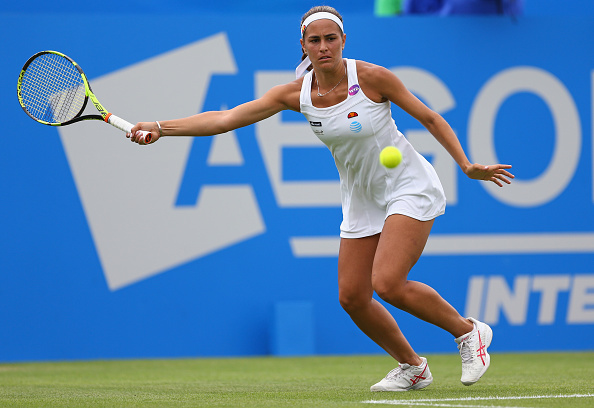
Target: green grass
column 291, row 382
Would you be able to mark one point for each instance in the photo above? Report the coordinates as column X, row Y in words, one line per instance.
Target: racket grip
column 126, row 126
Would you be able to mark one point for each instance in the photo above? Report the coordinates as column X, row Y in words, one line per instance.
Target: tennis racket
column 54, row 90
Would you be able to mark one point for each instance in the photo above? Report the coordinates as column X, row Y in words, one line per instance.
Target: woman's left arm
column 387, row 86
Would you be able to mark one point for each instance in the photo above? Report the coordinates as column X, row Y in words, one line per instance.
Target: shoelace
column 465, row 351
column 395, row 373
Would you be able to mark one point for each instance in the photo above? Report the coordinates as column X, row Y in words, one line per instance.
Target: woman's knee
column 389, row 289
column 353, row 300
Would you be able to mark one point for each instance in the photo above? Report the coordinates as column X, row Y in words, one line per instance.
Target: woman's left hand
column 496, row 173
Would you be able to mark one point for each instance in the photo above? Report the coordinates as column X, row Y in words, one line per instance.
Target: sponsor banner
column 185, row 247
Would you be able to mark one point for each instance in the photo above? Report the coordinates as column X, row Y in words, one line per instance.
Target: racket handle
column 127, row 127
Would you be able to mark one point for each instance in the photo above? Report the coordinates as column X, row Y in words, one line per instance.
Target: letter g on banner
column 481, row 127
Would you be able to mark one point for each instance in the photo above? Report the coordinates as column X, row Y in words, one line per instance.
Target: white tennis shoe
column 473, row 350
column 406, row 377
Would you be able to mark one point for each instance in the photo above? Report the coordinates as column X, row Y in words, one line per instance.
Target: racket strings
column 52, row 89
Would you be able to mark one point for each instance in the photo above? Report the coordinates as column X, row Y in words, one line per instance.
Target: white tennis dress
column 355, row 131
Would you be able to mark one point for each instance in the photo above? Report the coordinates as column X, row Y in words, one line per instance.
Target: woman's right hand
column 136, row 136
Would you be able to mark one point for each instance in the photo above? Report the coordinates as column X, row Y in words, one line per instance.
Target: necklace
column 324, row 94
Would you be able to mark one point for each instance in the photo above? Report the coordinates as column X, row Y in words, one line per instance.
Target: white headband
column 322, row 15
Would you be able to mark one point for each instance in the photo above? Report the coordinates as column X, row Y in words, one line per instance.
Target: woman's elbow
column 432, row 120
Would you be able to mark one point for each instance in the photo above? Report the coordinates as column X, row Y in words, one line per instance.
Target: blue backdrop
column 189, row 246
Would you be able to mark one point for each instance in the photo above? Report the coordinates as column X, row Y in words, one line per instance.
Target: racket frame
column 88, row 93
column 104, row 115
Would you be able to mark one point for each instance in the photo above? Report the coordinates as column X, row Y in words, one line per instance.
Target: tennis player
column 387, row 213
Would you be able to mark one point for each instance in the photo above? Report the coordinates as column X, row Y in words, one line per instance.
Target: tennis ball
column 390, row 157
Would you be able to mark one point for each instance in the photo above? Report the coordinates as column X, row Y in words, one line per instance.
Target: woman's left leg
column 401, row 243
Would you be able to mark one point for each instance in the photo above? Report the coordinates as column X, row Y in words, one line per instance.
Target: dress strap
column 352, row 76
column 305, row 96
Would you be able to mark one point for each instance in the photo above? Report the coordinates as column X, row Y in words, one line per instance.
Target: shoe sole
column 422, row 384
column 417, row 386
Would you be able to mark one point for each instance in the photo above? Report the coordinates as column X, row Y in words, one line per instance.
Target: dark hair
column 319, row 9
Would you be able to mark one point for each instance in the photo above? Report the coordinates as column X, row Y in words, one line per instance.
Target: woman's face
column 323, row 43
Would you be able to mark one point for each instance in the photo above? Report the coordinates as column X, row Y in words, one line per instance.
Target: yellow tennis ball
column 390, row 157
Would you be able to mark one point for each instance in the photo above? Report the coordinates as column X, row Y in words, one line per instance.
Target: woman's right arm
column 281, row 97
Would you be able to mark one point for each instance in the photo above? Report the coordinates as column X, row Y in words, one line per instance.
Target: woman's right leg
column 355, row 262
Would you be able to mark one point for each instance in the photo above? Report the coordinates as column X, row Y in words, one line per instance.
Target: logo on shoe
column 419, row 377
column 481, row 350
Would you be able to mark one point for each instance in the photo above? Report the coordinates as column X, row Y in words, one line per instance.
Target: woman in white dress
column 387, row 213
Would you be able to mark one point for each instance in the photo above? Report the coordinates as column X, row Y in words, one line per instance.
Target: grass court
column 516, row 380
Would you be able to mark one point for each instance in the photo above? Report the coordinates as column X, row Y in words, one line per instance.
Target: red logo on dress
column 352, row 115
